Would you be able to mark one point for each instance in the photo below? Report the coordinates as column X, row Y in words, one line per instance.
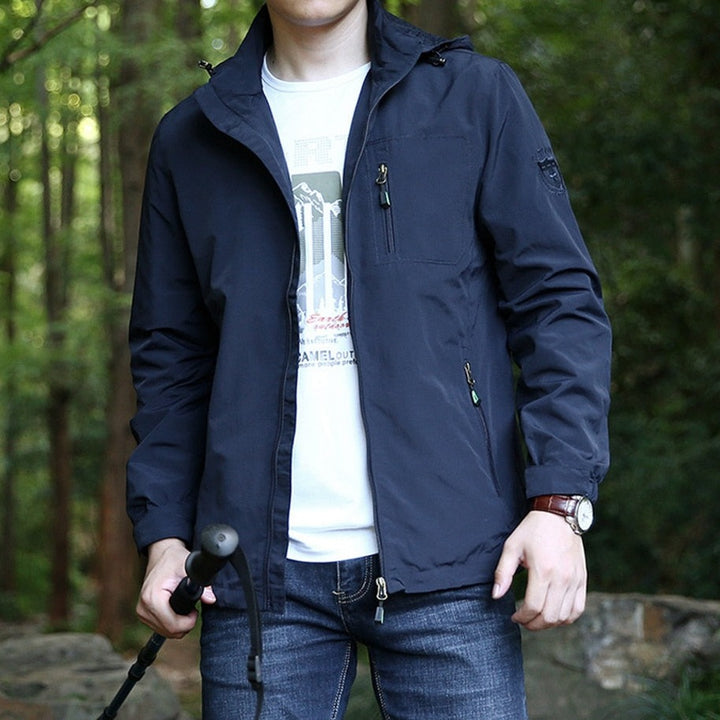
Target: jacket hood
column 395, row 47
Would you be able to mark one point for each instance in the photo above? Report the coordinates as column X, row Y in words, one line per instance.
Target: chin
column 313, row 13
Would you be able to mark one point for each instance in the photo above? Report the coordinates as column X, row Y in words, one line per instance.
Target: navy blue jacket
column 477, row 264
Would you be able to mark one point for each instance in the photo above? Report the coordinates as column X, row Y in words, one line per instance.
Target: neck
column 306, row 52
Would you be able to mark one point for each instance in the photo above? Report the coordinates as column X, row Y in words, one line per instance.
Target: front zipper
column 384, row 199
column 381, row 596
column 292, row 319
column 350, row 300
column 477, row 403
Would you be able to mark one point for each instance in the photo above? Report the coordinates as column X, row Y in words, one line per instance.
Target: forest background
column 628, row 91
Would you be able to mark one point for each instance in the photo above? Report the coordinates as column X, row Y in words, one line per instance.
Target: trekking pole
column 217, row 545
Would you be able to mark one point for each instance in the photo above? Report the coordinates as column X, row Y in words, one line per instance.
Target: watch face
column 584, row 514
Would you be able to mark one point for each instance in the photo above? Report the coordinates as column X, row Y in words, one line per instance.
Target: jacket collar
column 233, row 100
column 395, row 47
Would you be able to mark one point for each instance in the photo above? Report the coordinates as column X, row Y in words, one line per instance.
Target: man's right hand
column 165, row 570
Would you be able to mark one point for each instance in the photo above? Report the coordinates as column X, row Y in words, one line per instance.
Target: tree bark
column 436, row 16
column 59, row 386
column 8, row 548
column 118, row 560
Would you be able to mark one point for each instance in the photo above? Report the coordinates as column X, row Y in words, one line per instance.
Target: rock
column 21, row 710
column 73, row 676
column 621, row 644
column 630, row 639
column 557, row 681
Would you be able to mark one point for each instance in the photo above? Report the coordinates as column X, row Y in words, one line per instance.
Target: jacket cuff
column 158, row 525
column 558, row 480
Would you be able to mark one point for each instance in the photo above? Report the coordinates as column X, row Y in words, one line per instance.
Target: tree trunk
column 118, row 561
column 59, row 387
column 436, row 16
column 187, row 24
column 8, row 549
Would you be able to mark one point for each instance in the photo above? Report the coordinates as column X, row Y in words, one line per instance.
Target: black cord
column 254, row 664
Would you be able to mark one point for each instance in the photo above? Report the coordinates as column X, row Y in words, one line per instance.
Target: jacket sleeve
column 173, row 345
column 550, row 297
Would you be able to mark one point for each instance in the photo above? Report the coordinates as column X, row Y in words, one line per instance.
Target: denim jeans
column 453, row 654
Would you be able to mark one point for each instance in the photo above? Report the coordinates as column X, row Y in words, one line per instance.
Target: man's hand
column 557, row 576
column 165, row 569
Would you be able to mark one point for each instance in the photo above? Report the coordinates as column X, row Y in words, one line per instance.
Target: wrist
column 576, row 509
column 160, row 547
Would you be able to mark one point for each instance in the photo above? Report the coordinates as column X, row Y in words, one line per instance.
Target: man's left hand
column 554, row 557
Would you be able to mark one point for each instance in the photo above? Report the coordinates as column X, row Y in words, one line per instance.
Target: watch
column 576, row 509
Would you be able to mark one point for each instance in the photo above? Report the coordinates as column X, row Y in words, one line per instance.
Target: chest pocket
column 420, row 197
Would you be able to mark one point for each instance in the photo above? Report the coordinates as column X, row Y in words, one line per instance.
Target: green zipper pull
column 381, row 596
column 381, row 181
column 471, row 385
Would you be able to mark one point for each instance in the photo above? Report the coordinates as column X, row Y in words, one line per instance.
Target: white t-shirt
column 331, row 508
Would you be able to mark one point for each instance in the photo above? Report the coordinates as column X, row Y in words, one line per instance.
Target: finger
column 560, row 602
column 529, row 613
column 176, row 627
column 208, row 596
column 507, row 566
column 563, row 604
column 171, row 625
column 578, row 605
column 567, row 609
column 155, row 611
column 573, row 604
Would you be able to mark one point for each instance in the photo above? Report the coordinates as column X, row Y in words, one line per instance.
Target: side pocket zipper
column 475, row 398
column 471, row 384
column 384, row 199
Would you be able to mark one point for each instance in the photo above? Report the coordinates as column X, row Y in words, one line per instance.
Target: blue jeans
column 452, row 654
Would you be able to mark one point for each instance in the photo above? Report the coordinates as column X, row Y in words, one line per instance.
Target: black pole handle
column 217, row 544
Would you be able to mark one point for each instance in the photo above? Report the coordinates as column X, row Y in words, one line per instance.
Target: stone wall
column 74, row 676
column 623, row 642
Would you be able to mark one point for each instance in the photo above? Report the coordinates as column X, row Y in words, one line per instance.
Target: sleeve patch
column 550, row 170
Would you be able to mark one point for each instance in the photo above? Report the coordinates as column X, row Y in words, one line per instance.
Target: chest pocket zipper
column 383, row 185
column 477, row 402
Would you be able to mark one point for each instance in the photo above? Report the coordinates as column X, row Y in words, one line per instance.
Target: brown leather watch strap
column 563, row 505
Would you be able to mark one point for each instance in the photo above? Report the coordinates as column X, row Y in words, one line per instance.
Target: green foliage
column 628, row 93
column 660, row 499
column 57, row 90
column 696, row 696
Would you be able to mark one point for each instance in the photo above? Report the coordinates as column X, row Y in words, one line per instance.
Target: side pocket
column 477, row 403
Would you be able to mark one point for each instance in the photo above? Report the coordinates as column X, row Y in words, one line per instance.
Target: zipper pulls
column 207, row 67
column 382, row 182
column 381, row 596
column 435, row 58
column 471, row 385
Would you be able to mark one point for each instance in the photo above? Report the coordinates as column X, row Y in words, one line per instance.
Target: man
column 349, row 237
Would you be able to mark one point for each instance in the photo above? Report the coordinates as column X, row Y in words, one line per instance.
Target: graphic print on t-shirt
column 322, row 287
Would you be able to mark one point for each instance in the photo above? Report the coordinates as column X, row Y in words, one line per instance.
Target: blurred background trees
column 629, row 94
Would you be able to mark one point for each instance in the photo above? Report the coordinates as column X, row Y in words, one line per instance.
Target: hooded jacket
column 481, row 341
